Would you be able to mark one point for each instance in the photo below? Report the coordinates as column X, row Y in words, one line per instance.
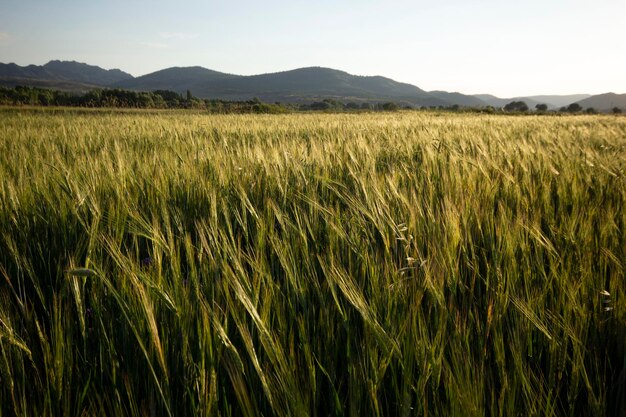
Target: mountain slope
column 459, row 99
column 553, row 101
column 179, row 79
column 60, row 74
column 558, row 101
column 302, row 85
column 54, row 84
column 501, row 102
column 299, row 85
column 319, row 80
column 90, row 74
column 31, row 71
column 316, row 81
column 605, row 102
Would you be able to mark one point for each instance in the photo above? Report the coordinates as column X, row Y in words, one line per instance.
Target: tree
column 591, row 110
column 541, row 107
column 616, row 110
column 334, row 104
column 518, row 106
column 320, row 105
column 574, row 108
column 389, row 106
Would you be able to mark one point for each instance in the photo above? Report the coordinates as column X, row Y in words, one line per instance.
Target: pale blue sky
column 506, row 48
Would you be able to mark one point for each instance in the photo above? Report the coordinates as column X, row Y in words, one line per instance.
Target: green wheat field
column 384, row 264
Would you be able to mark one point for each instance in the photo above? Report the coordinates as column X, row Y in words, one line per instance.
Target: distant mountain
column 302, row 85
column 60, row 74
column 501, row 102
column 31, row 71
column 325, row 81
column 54, row 84
column 553, row 101
column 459, row 99
column 559, row 101
column 605, row 102
column 179, row 79
column 299, row 85
column 88, row 74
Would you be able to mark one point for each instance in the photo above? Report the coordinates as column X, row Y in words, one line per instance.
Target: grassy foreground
column 405, row 264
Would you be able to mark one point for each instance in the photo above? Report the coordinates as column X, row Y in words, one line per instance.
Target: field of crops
column 400, row 264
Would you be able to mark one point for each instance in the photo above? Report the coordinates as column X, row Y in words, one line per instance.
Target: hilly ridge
column 89, row 74
column 70, row 75
column 553, row 101
column 177, row 79
column 298, row 85
column 302, row 85
column 605, row 102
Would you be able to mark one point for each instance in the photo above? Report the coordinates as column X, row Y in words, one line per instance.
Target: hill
column 29, row 72
column 298, row 85
column 605, row 102
column 179, row 79
column 501, row 102
column 458, row 98
column 553, row 101
column 302, row 85
column 558, row 101
column 88, row 74
column 64, row 75
column 54, row 84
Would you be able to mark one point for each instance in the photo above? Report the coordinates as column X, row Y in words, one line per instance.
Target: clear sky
column 507, row 48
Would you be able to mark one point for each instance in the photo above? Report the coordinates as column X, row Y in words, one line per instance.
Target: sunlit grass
column 385, row 264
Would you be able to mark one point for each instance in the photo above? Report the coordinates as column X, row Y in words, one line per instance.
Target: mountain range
column 65, row 75
column 553, row 102
column 295, row 86
column 299, row 85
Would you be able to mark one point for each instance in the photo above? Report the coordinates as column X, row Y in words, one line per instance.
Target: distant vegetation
column 165, row 99
column 522, row 107
column 516, row 106
column 381, row 264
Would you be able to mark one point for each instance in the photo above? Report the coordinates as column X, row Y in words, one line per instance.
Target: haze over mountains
column 553, row 102
column 296, row 86
column 608, row 100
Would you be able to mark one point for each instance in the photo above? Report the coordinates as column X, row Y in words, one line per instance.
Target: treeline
column 336, row 105
column 118, row 98
column 165, row 99
column 522, row 107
